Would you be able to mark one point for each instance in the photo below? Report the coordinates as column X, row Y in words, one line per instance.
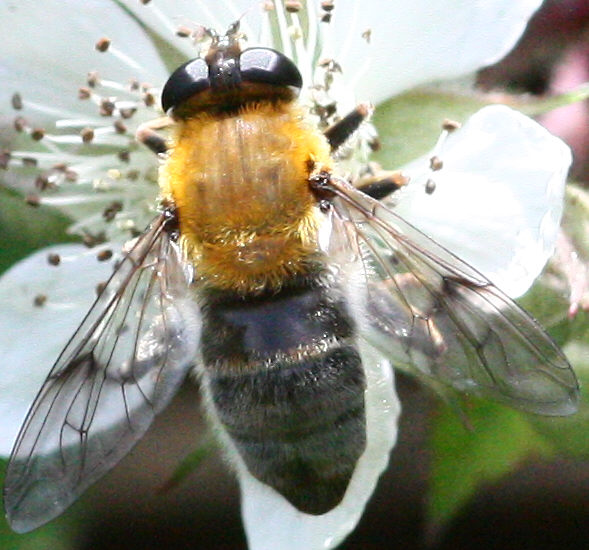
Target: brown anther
column 132, row 175
column 145, row 2
column 87, row 134
column 54, row 259
column 43, row 183
column 38, row 134
column 124, row 156
column 92, row 79
column 71, row 175
column 327, row 5
column 330, row 65
column 103, row 44
column 148, row 99
column 292, row 6
column 16, row 101
column 430, row 186
column 120, row 127
column 127, row 112
column 367, row 35
column 91, row 241
column 133, row 84
column 84, row 93
column 100, row 288
column 183, row 31
column 375, row 144
column 5, row 159
column 32, row 199
column 60, row 167
column 436, row 163
column 19, row 124
column 40, row 300
column 450, row 125
column 107, row 107
column 104, row 255
column 111, row 210
column 326, row 17
column 29, row 162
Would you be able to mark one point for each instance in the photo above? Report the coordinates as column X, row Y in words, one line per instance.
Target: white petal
column 422, row 41
column 49, row 47
column 31, row 337
column 165, row 16
column 271, row 523
column 498, row 199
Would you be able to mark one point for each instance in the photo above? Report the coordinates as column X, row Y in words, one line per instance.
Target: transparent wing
column 121, row 367
column 430, row 311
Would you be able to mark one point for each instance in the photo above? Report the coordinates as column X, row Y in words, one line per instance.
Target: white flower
column 502, row 182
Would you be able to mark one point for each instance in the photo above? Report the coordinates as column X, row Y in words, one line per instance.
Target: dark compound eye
column 256, row 65
column 187, row 80
column 266, row 66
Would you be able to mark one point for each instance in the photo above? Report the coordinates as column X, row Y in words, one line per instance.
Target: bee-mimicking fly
column 267, row 273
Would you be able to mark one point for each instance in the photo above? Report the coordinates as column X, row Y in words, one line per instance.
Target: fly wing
column 430, row 311
column 121, row 367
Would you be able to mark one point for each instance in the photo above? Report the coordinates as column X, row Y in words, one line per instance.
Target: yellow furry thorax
column 248, row 219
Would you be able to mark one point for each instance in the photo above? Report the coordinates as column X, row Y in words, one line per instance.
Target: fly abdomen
column 287, row 384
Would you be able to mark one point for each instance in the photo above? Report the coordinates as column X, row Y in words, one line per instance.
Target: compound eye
column 187, row 80
column 267, row 66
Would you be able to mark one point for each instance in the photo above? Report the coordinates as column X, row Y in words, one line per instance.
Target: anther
column 43, row 183
column 104, row 255
column 32, row 199
column 436, row 163
column 87, row 134
column 19, row 124
column 120, row 127
column 103, row 44
column 84, row 93
column 183, row 32
column 92, row 79
column 292, row 6
column 38, row 134
column 53, row 259
column 40, row 300
column 149, row 99
column 450, row 125
column 107, row 107
column 124, row 156
column 4, row 159
column 16, row 101
column 29, row 162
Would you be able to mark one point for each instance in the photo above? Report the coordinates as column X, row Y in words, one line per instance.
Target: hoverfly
column 266, row 273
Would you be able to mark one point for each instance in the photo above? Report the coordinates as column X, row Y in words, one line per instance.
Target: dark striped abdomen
column 288, row 386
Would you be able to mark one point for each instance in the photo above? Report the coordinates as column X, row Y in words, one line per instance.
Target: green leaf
column 190, row 463
column 464, row 459
column 24, row 228
column 570, row 437
column 409, row 125
column 60, row 534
